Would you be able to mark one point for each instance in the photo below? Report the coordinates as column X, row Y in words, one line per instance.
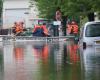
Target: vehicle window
column 93, row 30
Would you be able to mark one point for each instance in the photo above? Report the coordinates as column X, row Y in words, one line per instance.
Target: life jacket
column 36, row 27
column 69, row 28
column 45, row 30
column 75, row 28
column 18, row 28
column 38, row 31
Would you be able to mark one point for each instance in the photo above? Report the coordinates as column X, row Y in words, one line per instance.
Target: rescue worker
column 69, row 28
column 38, row 31
column 21, row 24
column 74, row 27
column 45, row 30
column 13, row 28
column 18, row 29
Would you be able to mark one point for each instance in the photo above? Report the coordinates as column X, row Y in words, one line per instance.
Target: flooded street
column 48, row 61
column 49, row 40
column 90, row 62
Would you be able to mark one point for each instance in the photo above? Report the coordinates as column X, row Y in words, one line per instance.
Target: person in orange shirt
column 36, row 27
column 40, row 31
column 18, row 29
column 69, row 28
column 74, row 27
column 45, row 30
column 14, row 28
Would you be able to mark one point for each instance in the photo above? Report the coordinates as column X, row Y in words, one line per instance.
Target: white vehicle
column 90, row 34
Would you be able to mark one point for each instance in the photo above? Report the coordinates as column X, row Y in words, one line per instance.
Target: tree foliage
column 1, row 5
column 47, row 8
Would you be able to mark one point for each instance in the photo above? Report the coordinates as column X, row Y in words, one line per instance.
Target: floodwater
column 48, row 61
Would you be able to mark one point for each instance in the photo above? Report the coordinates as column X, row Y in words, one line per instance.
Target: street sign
column 57, row 23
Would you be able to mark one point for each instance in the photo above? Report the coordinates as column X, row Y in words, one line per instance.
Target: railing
column 33, row 38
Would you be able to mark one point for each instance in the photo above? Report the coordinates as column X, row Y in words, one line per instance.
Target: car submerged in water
column 90, row 34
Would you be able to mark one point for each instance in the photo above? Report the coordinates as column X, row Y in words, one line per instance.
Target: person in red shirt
column 72, row 28
column 75, row 27
column 45, row 30
column 40, row 31
column 18, row 28
column 69, row 28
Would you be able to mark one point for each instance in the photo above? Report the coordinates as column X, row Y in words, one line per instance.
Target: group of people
column 42, row 31
column 18, row 28
column 38, row 30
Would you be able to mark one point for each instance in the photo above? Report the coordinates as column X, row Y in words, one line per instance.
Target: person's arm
column 45, row 30
column 34, row 29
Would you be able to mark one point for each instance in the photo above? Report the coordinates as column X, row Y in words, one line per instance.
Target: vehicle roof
column 92, row 22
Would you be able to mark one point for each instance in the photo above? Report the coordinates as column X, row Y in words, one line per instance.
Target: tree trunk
column 91, row 16
column 64, row 18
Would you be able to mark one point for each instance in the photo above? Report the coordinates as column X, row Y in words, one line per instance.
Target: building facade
column 16, row 11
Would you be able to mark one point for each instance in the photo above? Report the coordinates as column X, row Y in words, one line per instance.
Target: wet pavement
column 48, row 61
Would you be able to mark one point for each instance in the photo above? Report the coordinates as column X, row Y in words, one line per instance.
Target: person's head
column 73, row 22
column 68, row 22
column 22, row 22
column 15, row 24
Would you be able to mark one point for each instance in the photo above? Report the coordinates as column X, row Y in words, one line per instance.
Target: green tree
column 47, row 8
column 1, row 5
column 73, row 9
column 80, row 7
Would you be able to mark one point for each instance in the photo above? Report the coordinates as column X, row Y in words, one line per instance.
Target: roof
column 92, row 22
column 7, row 4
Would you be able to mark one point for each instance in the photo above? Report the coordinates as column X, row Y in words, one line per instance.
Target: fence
column 5, row 31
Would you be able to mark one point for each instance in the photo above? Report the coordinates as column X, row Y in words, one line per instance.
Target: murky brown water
column 46, row 61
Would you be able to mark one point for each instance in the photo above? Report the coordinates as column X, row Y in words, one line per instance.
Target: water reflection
column 1, row 64
column 74, row 61
column 19, row 53
column 73, row 54
column 90, row 59
column 41, row 51
column 41, row 61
